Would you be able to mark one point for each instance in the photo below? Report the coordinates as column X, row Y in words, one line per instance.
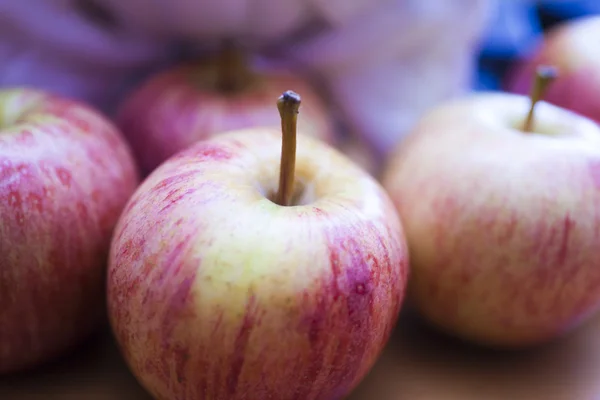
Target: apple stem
column 544, row 76
column 288, row 105
column 231, row 67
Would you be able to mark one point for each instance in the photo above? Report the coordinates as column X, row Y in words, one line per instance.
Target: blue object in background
column 512, row 30
column 571, row 8
column 516, row 29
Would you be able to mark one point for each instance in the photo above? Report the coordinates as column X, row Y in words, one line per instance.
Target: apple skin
column 178, row 106
column 503, row 227
column 215, row 292
column 65, row 175
column 572, row 47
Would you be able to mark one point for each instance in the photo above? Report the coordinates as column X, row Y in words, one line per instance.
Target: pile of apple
column 233, row 250
column 238, row 250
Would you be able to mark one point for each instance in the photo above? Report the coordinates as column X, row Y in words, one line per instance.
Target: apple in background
column 573, row 48
column 502, row 217
column 190, row 102
column 225, row 284
column 65, row 176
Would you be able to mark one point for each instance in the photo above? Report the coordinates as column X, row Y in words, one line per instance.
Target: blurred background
column 383, row 63
column 515, row 28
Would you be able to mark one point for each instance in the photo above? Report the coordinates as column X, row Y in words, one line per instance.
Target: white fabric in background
column 384, row 61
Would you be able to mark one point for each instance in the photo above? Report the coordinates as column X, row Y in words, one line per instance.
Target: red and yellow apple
column 65, row 176
column 224, row 284
column 572, row 47
column 502, row 222
column 189, row 102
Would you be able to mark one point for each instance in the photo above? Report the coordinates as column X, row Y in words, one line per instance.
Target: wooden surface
column 419, row 364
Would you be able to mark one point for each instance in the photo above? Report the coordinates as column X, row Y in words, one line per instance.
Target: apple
column 572, row 47
column 65, row 176
column 225, row 284
column 192, row 101
column 501, row 211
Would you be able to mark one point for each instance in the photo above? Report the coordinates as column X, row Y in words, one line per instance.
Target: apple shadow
column 70, row 358
column 420, row 356
column 94, row 365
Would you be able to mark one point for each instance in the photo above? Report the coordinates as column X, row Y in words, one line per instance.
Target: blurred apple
column 501, row 210
column 224, row 284
column 65, row 176
column 189, row 102
column 573, row 48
